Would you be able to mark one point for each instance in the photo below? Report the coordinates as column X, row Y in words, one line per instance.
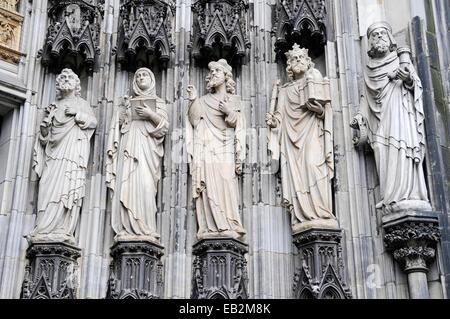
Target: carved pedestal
column 321, row 275
column 220, row 269
column 136, row 271
column 52, row 271
column 412, row 237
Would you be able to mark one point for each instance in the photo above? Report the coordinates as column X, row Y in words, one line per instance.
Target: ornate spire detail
column 72, row 35
column 300, row 21
column 145, row 26
column 220, row 31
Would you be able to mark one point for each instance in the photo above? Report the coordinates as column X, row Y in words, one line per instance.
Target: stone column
column 321, row 275
column 412, row 237
column 220, row 269
column 52, row 271
column 136, row 271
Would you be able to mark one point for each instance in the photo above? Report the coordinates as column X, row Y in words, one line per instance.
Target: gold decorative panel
column 10, row 30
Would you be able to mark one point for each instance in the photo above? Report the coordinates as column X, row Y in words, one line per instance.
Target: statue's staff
column 273, row 100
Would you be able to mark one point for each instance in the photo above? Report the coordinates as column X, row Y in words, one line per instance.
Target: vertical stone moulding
column 52, row 272
column 136, row 271
column 220, row 269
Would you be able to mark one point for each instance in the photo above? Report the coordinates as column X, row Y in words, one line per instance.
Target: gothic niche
column 73, row 35
column 145, row 34
column 220, row 31
column 302, row 22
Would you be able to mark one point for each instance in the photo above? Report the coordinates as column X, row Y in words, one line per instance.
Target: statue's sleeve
column 163, row 125
column 86, row 118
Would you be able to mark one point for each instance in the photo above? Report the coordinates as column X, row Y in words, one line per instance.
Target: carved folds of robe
column 60, row 160
column 217, row 145
column 395, row 120
column 134, row 154
column 302, row 142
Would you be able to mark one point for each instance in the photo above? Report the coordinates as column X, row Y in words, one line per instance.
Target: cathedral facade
column 294, row 149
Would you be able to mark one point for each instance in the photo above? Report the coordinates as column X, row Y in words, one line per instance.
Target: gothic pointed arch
column 72, row 35
column 220, row 31
column 145, row 34
column 302, row 22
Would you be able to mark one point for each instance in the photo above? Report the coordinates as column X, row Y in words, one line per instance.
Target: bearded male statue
column 300, row 137
column 60, row 160
column 391, row 106
column 216, row 143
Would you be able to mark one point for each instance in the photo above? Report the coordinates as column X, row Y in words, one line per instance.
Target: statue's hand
column 44, row 130
column 314, row 106
column 144, row 111
column 192, row 92
column 70, row 110
column 270, row 120
column 225, row 108
column 404, row 74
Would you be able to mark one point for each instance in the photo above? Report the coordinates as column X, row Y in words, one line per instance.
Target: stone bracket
column 51, row 272
column 220, row 269
column 412, row 237
column 321, row 275
column 136, row 271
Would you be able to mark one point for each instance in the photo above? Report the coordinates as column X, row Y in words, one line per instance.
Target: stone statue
column 216, row 143
column 60, row 160
column 134, row 155
column 300, row 137
column 391, row 108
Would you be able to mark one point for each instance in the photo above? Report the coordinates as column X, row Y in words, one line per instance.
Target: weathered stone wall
column 371, row 271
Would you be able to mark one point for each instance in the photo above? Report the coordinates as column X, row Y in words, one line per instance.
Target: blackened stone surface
column 136, row 271
column 52, row 271
column 220, row 269
column 321, row 275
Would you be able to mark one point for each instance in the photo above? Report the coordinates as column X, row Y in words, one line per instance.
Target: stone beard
column 133, row 166
column 392, row 106
column 216, row 142
column 60, row 160
column 300, row 137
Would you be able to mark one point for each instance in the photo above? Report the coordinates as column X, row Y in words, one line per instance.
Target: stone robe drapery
column 216, row 144
column 302, row 142
column 395, row 121
column 60, row 160
column 133, row 168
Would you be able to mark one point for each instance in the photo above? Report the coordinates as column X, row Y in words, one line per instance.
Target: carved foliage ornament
column 73, row 34
column 145, row 24
column 10, row 30
column 302, row 22
column 220, row 30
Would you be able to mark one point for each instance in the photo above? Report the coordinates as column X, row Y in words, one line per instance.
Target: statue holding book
column 134, row 155
column 300, row 137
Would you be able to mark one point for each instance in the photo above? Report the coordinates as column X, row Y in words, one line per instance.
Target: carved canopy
column 73, row 35
column 145, row 37
column 302, row 22
column 220, row 31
